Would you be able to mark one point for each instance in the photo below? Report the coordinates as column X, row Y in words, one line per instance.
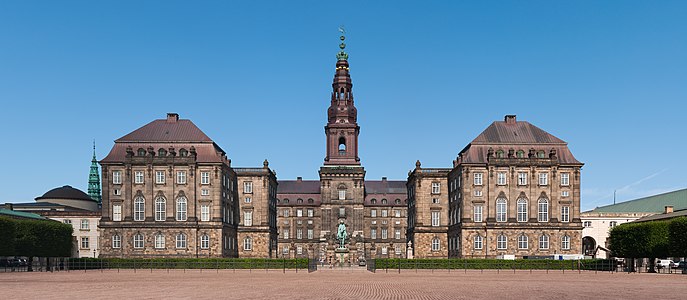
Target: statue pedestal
column 343, row 255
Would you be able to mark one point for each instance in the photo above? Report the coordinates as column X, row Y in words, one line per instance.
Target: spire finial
column 342, row 55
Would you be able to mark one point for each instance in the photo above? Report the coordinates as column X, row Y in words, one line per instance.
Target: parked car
column 664, row 263
column 680, row 265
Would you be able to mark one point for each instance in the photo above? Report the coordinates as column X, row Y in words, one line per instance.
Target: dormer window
column 183, row 152
column 141, row 152
column 499, row 154
column 520, row 154
column 540, row 154
column 162, row 152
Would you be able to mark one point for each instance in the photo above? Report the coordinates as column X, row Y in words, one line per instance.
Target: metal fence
column 453, row 265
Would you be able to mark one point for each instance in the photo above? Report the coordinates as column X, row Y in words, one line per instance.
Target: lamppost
column 93, row 253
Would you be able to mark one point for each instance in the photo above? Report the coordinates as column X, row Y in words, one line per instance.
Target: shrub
column 8, row 229
column 186, row 263
column 677, row 235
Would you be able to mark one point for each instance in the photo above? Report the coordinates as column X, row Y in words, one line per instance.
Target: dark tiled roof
column 520, row 132
column 385, row 187
column 206, row 153
column 298, row 187
column 390, row 199
column 293, row 199
column 66, row 192
column 167, row 131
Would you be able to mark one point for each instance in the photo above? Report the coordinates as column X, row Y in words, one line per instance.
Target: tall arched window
column 342, row 146
column 523, row 242
column 181, row 209
column 138, row 241
column 204, row 241
column 501, row 210
column 139, row 209
column 522, row 210
column 160, row 209
column 181, row 240
column 159, row 241
column 544, row 242
column 342, row 192
column 501, row 242
column 543, row 210
column 436, row 244
column 565, row 242
column 478, row 242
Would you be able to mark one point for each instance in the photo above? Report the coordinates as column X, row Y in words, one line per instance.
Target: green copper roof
column 342, row 55
column 94, row 179
column 20, row 214
column 651, row 204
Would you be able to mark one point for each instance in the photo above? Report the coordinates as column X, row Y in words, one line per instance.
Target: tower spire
column 94, row 179
column 342, row 55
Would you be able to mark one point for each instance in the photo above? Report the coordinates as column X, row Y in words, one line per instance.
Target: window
column 205, row 213
column 435, row 218
column 478, row 193
column 522, row 178
column 436, row 187
column 138, row 177
column 248, row 187
column 181, row 209
column 116, row 212
column 311, row 212
column 138, row 241
column 435, row 244
column 116, row 241
column 384, row 233
column 299, row 249
column 613, row 224
column 141, row 152
column 181, row 177
column 543, row 178
column 385, row 250
column 248, row 218
column 299, row 212
column 181, row 241
column 85, row 224
column 477, row 213
column 565, row 213
column 299, row 233
column 385, row 213
column 117, row 192
column 204, row 242
column 397, row 249
column 565, row 242
column 139, row 209
column 117, row 177
column 342, row 211
column 478, row 242
column 478, row 178
column 286, row 233
column 159, row 241
column 397, row 234
column 397, row 213
column 543, row 210
column 520, row 154
column 587, row 224
column 67, row 221
column 160, row 209
column 248, row 244
column 373, row 213
column 342, row 194
column 205, row 192
column 523, row 242
column 501, row 210
column 522, row 210
column 310, row 234
column 435, row 200
column 540, row 154
column 565, row 193
column 84, row 243
column 373, row 233
column 248, row 200
column 285, row 251
column 204, row 177
column 499, row 154
column 544, row 241
column 501, row 178
column 565, row 179
column 501, row 242
column 160, row 177
column 384, row 201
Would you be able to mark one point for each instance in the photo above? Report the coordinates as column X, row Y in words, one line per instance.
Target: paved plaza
column 340, row 284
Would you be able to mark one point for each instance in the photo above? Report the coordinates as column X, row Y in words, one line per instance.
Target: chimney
column 510, row 119
column 383, row 179
column 299, row 179
column 668, row 209
column 172, row 117
column 9, row 206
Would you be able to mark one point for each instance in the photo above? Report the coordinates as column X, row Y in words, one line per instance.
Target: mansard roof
column 385, row 187
column 298, row 187
column 170, row 130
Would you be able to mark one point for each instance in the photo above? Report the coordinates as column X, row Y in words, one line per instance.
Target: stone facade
column 257, row 230
column 428, row 211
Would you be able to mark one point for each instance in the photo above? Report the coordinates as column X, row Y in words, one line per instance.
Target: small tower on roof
column 94, row 180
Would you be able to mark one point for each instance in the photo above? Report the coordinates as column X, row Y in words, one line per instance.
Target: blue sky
column 608, row 77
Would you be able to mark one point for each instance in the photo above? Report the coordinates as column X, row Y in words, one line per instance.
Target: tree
column 7, row 238
column 677, row 235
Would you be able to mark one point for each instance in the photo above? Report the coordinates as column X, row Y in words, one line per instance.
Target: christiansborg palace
column 168, row 190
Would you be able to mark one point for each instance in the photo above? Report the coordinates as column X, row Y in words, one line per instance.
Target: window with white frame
column 342, row 211
column 299, row 212
column 501, row 210
column 501, row 242
column 310, row 234
column 373, row 233
column 181, row 241
column 299, row 233
column 67, row 221
column 612, row 224
column 385, row 250
column 565, row 193
column 204, row 177
column 116, row 241
column 248, row 218
column 543, row 179
column 205, row 242
column 435, row 200
column 117, row 192
column 117, row 212
column 117, row 177
column 565, row 213
column 248, row 187
column 436, row 187
column 138, row 177
column 397, row 234
column 311, row 212
column 478, row 193
column 285, row 250
column 397, row 249
column 204, row 212
column 342, row 194
column 84, row 242
column 373, row 213
column 477, row 215
column 248, row 244
column 397, row 213
column 286, row 233
column 385, row 213
column 384, row 234
column 544, row 241
column 138, row 241
column 478, row 178
column 543, row 206
column 182, row 209
column 523, row 242
column 181, row 177
column 501, row 178
column 436, row 244
column 160, row 209
column 435, row 218
column 159, row 241
column 587, row 224
column 522, row 178
column 286, row 213
column 565, row 179
column 160, row 177
column 565, row 242
column 248, row 200
column 139, row 209
column 205, row 192
column 522, row 210
column 299, row 249
column 477, row 242
column 85, row 224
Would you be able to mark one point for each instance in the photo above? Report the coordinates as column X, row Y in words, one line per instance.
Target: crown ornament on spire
column 342, row 55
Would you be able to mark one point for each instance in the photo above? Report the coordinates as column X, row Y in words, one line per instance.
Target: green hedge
column 677, row 236
column 7, row 237
column 635, row 240
column 479, row 264
column 186, row 263
column 35, row 238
